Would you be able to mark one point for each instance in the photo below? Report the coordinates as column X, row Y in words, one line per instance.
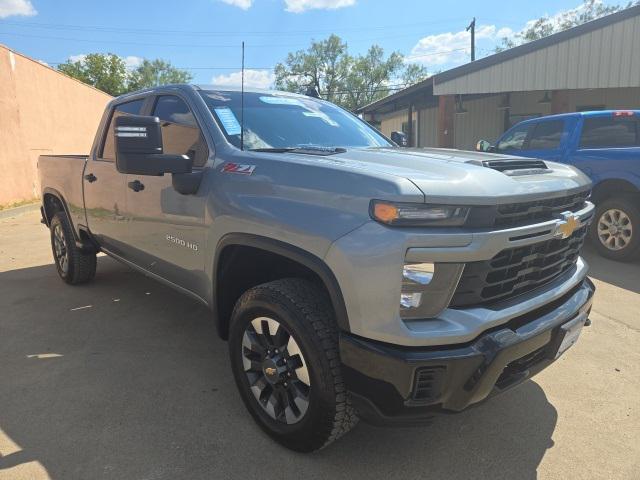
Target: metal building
column 594, row 66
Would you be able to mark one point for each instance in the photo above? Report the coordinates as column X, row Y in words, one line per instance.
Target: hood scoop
column 515, row 167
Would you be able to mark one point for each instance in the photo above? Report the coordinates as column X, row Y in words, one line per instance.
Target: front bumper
column 394, row 384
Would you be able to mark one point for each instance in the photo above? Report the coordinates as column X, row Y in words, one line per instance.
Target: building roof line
column 509, row 54
column 536, row 45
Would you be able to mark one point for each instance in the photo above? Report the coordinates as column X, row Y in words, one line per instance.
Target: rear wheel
column 73, row 265
column 615, row 230
column 283, row 345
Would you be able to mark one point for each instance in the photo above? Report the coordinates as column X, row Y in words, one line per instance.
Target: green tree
column 545, row 26
column 414, row 73
column 106, row 72
column 323, row 66
column 349, row 81
column 151, row 73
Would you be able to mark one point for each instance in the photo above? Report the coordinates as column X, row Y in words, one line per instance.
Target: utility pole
column 472, row 27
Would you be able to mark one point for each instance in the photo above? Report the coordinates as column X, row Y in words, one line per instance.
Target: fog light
column 420, row 273
column 410, row 300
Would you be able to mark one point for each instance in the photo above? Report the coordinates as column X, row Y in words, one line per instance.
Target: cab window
column 602, row 132
column 546, row 135
column 130, row 108
column 514, row 139
column 180, row 132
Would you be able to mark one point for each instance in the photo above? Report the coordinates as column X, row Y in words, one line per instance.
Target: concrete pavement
column 125, row 379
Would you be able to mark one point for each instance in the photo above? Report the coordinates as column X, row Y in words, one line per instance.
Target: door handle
column 136, row 185
column 90, row 177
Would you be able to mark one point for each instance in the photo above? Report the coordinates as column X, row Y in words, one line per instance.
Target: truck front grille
column 527, row 213
column 517, row 270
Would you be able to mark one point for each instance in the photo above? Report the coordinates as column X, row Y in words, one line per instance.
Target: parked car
column 606, row 146
column 351, row 278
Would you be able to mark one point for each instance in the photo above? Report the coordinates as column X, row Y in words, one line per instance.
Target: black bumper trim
column 381, row 377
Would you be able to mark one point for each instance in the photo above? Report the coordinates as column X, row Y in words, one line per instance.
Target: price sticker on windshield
column 228, row 120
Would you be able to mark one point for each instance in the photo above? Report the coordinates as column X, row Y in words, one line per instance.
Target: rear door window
column 546, row 135
column 129, row 108
column 602, row 132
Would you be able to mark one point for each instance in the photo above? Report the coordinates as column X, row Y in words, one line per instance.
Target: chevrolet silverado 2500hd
column 351, row 278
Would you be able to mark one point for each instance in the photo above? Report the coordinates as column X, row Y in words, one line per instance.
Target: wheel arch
column 613, row 187
column 234, row 248
column 53, row 202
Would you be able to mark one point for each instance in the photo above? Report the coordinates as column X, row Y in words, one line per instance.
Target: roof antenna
column 242, row 103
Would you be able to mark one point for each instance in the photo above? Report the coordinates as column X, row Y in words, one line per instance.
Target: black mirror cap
column 139, row 151
column 400, row 139
column 137, row 134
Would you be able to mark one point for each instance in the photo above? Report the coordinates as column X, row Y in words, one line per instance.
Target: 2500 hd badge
column 182, row 243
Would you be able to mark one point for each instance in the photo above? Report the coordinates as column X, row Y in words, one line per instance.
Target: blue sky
column 204, row 36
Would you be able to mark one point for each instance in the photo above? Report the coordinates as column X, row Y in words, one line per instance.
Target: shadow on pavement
column 625, row 275
column 126, row 379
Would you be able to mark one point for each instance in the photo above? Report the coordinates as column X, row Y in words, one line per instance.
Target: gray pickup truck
column 352, row 278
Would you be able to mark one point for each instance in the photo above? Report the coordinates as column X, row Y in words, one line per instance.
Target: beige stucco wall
column 41, row 112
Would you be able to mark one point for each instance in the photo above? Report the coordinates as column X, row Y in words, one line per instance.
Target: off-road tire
column 628, row 205
column 304, row 310
column 81, row 266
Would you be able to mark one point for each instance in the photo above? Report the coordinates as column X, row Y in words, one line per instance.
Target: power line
column 142, row 31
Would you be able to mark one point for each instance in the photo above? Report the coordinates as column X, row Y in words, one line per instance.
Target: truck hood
column 459, row 177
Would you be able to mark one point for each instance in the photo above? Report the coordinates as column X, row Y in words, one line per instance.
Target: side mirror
column 484, row 146
column 399, row 138
column 138, row 143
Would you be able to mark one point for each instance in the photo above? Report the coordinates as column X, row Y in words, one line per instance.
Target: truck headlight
column 427, row 288
column 417, row 214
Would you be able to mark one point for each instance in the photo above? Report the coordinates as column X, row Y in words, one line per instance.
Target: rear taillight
column 625, row 113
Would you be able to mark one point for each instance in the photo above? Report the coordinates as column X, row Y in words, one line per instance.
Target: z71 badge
column 237, row 168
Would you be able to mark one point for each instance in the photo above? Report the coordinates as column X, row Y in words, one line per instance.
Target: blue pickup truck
column 606, row 146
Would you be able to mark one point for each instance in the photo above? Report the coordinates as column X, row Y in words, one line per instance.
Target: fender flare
column 303, row 257
column 63, row 202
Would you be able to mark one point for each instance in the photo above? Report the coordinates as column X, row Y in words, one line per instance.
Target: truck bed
column 63, row 173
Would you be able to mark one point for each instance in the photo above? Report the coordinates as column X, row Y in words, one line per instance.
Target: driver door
column 166, row 231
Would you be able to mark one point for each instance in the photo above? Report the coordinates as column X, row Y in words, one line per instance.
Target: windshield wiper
column 309, row 149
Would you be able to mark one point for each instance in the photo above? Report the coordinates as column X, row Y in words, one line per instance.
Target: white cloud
column 455, row 47
column 16, row 7
column 132, row 61
column 243, row 4
column 77, row 58
column 441, row 49
column 298, row 6
column 252, row 78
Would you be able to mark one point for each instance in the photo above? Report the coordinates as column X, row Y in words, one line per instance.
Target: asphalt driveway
column 125, row 379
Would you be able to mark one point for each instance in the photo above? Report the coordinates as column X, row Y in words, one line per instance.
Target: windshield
column 283, row 121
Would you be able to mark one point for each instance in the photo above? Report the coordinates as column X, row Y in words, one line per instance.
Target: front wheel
column 615, row 230
column 283, row 344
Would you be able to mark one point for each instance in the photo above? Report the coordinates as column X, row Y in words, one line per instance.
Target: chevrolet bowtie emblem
column 566, row 227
